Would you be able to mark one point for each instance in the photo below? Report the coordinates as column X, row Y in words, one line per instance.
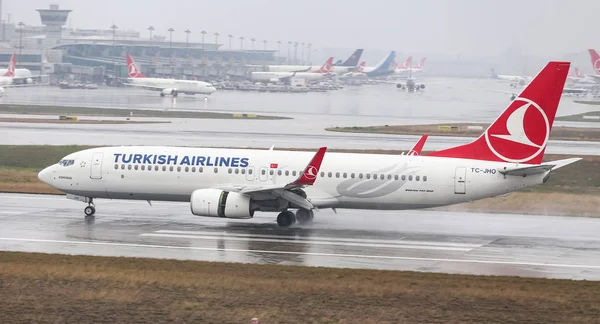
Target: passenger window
column 156, row 168
column 360, row 175
column 143, row 167
column 403, row 177
column 294, row 173
column 279, row 172
column 116, row 166
column 352, row 175
column 409, row 178
column 417, row 178
column 216, row 170
column 368, row 176
column 329, row 174
column 244, row 171
column 187, row 169
column 382, row 176
column 345, row 175
column 193, row 169
column 135, row 167
column 237, row 171
column 287, row 173
column 178, row 169
column 200, row 169
column 389, row 177
column 129, row 167
column 271, row 172
column 250, row 171
column 171, row 168
column 164, row 168
column 322, row 174
column 337, row 174
column 263, row 172
column 230, row 171
column 424, row 178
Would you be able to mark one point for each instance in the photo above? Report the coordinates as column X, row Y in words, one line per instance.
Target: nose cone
column 46, row 175
column 211, row 89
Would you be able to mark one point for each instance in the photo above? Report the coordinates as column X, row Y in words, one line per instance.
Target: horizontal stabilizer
column 537, row 169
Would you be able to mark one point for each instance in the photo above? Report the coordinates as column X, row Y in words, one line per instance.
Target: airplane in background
column 236, row 183
column 514, row 80
column 403, row 68
column 322, row 73
column 358, row 74
column 383, row 68
column 595, row 64
column 577, row 77
column 170, row 87
column 419, row 66
column 341, row 68
column 10, row 79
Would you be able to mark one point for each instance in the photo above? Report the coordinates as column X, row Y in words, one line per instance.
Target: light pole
column 187, row 38
column 242, row 43
column 150, row 29
column 114, row 32
column 216, row 41
column 302, row 52
column 279, row 48
column 203, row 33
column 230, row 37
column 265, row 45
column 295, row 52
column 252, row 40
column 171, row 30
column 289, row 56
column 21, row 26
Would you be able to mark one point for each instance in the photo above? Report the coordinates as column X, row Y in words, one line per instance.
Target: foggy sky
column 468, row 27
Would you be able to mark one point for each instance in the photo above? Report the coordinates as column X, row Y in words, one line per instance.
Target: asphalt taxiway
column 432, row 241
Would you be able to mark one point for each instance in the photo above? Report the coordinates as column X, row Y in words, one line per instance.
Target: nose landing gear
column 90, row 210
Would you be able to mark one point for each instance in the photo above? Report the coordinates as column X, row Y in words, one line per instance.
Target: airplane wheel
column 304, row 216
column 89, row 211
column 286, row 219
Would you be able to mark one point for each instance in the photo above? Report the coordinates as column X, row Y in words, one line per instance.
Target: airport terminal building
column 100, row 53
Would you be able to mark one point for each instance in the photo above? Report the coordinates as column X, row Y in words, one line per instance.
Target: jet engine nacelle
column 421, row 86
column 29, row 81
column 218, row 203
column 168, row 92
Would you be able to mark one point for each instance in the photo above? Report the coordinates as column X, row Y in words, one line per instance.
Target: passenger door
column 96, row 167
column 460, row 180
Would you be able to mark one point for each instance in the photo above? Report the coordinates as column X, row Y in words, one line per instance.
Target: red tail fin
column 10, row 72
column 579, row 74
column 407, row 63
column 421, row 63
column 595, row 60
column 326, row 67
column 521, row 132
column 361, row 66
column 134, row 71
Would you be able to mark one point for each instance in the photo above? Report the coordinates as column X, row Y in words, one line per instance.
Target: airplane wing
column 303, row 70
column 145, row 86
column 416, row 150
column 537, row 169
column 306, row 178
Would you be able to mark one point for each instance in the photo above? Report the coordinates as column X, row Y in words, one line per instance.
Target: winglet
column 416, row 150
column 309, row 175
column 10, row 72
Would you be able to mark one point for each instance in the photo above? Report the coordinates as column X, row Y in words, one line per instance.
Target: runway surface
column 530, row 246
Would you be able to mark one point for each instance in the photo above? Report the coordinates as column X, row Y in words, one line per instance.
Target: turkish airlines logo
column 311, row 173
column 597, row 66
column 133, row 71
column 520, row 135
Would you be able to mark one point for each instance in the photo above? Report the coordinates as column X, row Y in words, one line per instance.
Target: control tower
column 54, row 19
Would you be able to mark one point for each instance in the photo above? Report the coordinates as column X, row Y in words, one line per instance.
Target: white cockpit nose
column 46, row 175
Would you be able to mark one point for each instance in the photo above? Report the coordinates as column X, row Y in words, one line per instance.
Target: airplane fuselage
column 182, row 86
column 358, row 181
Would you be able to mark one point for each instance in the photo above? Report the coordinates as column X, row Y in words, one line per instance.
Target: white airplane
column 577, row 77
column 514, row 80
column 323, row 73
column 170, row 87
column 343, row 67
column 236, row 183
column 9, row 78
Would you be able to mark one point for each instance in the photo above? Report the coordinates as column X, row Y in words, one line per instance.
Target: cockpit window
column 66, row 162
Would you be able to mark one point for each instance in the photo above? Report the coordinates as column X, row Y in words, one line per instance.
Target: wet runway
column 531, row 246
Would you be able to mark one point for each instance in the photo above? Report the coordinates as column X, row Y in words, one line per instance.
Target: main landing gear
column 90, row 210
column 287, row 218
